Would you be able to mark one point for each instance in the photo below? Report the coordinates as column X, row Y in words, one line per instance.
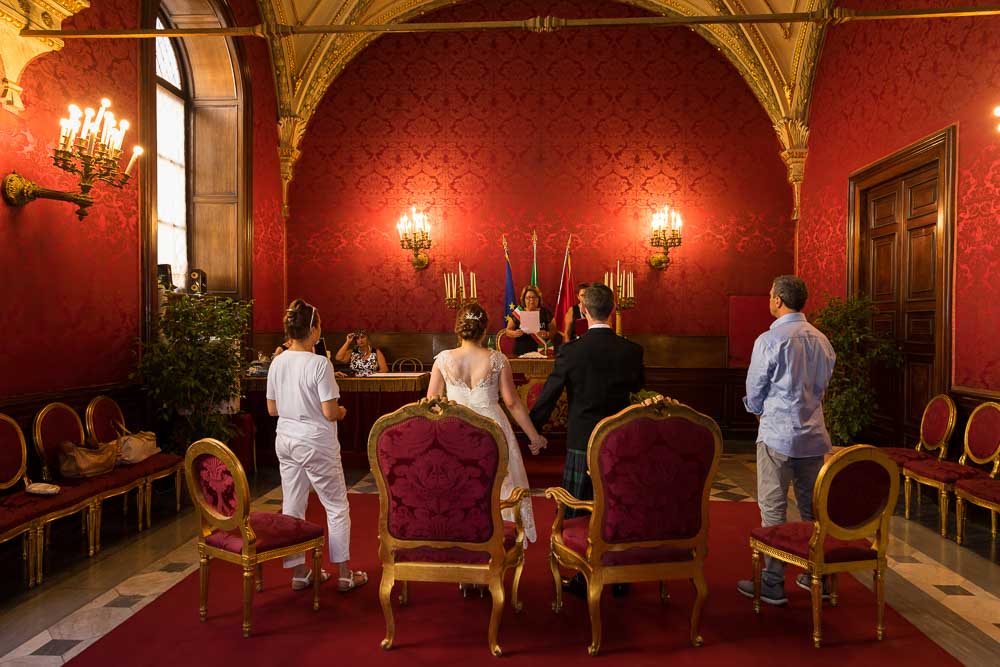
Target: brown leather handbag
column 76, row 462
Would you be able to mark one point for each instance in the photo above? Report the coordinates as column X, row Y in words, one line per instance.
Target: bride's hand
column 538, row 444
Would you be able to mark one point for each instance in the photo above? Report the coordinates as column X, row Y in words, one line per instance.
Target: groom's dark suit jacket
column 598, row 371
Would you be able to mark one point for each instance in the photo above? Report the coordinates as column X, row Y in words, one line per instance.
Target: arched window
column 172, row 97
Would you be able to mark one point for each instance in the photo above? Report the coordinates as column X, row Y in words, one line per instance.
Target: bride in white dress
column 477, row 378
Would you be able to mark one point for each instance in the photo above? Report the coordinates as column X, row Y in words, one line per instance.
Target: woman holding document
column 532, row 326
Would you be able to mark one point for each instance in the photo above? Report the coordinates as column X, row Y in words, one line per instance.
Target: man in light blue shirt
column 789, row 371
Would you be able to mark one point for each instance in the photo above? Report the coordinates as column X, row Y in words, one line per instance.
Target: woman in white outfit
column 477, row 378
column 302, row 393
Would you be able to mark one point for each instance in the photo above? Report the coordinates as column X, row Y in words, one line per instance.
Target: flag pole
column 563, row 274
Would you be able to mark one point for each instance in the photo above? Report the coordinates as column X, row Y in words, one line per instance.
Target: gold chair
column 17, row 514
column 439, row 467
column 505, row 343
column 55, row 424
column 936, row 426
column 853, row 499
column 408, row 365
column 231, row 532
column 105, row 422
column 652, row 467
column 945, row 475
column 982, row 445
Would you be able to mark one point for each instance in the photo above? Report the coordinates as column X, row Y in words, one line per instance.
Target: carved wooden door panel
column 901, row 269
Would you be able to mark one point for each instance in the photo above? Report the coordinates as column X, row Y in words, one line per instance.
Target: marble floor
column 950, row 593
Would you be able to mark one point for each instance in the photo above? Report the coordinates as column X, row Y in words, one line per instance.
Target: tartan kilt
column 576, row 480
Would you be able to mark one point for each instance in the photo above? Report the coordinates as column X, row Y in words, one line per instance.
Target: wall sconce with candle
column 666, row 234
column 415, row 234
column 90, row 144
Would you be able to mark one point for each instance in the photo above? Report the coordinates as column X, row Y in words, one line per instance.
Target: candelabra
column 90, row 144
column 622, row 284
column 415, row 234
column 455, row 295
column 666, row 234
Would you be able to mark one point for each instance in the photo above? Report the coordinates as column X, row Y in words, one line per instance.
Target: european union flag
column 509, row 295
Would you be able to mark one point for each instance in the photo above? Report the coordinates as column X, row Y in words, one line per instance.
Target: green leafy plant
column 193, row 366
column 850, row 403
column 642, row 395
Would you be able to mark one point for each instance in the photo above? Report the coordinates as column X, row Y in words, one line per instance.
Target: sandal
column 302, row 583
column 356, row 580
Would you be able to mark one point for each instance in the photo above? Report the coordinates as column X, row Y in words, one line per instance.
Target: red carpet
column 441, row 628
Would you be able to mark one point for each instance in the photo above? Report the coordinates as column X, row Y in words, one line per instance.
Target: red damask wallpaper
column 508, row 132
column 70, row 306
column 927, row 75
column 269, row 223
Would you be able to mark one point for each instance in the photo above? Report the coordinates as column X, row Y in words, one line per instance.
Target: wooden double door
column 902, row 230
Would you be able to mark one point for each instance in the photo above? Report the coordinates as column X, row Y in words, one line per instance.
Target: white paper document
column 530, row 322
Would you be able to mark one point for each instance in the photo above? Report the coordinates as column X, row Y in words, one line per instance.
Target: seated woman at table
column 531, row 300
column 576, row 322
column 361, row 355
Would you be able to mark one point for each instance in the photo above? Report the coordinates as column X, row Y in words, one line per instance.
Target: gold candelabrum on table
column 415, row 234
column 622, row 284
column 90, row 144
column 455, row 295
column 665, row 234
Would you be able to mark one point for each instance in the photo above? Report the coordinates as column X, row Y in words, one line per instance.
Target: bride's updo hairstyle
column 471, row 322
column 300, row 318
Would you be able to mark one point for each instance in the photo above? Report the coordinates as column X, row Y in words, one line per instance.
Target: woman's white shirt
column 299, row 382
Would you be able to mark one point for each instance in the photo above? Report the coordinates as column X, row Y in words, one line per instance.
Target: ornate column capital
column 16, row 51
column 794, row 136
column 290, row 131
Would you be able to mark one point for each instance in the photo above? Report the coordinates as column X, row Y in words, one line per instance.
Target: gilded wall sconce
column 90, row 144
column 415, row 234
column 666, row 234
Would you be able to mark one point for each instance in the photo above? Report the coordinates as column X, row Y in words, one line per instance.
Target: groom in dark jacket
column 598, row 371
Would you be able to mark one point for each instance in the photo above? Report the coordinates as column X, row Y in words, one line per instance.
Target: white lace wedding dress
column 484, row 398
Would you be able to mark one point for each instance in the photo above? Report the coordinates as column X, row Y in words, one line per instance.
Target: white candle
column 74, row 127
column 446, row 285
column 631, row 284
column 475, row 294
column 105, row 103
column 88, row 116
column 136, row 152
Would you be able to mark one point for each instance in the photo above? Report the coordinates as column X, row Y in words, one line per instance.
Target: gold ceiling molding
column 794, row 135
column 776, row 60
column 16, row 52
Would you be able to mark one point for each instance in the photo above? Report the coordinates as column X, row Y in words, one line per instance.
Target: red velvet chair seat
column 273, row 531
column 455, row 554
column 156, row 463
column 981, row 487
column 575, row 537
column 945, row 472
column 903, row 455
column 794, row 538
column 21, row 507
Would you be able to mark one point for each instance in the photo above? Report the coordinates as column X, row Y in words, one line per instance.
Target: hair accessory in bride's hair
column 473, row 316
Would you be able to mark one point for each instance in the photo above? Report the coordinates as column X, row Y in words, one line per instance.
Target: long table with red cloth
column 366, row 399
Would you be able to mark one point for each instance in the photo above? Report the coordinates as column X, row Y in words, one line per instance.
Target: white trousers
column 304, row 465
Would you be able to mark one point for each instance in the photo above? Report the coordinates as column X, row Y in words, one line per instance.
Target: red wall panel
column 508, row 132
column 70, row 304
column 927, row 75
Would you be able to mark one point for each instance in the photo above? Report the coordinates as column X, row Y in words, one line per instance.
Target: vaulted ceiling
column 777, row 60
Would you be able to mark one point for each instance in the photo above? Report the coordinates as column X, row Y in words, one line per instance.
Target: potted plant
column 191, row 368
column 850, row 403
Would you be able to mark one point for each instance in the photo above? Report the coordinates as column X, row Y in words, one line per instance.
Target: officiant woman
column 531, row 300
